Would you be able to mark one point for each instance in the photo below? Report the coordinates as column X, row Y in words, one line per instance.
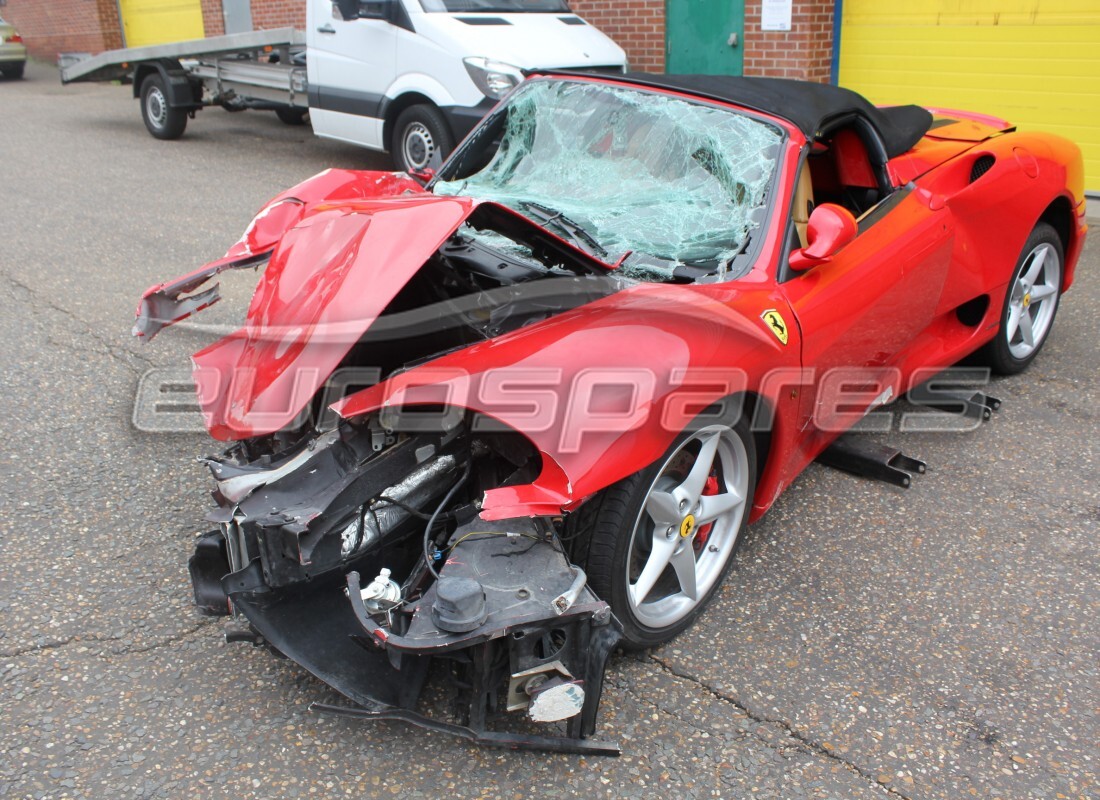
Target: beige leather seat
column 803, row 202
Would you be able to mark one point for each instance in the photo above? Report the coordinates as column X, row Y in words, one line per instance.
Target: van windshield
column 497, row 6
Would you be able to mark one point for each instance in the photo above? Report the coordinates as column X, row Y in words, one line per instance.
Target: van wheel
column 163, row 121
column 421, row 139
column 291, row 116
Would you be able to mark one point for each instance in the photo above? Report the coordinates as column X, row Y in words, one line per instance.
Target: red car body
column 921, row 283
column 889, row 299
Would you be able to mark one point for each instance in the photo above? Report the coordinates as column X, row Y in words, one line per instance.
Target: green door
column 699, row 35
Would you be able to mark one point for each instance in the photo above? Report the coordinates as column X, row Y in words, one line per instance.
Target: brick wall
column 268, row 14
column 88, row 26
column 212, row 20
column 50, row 27
column 804, row 52
column 638, row 26
column 54, row 26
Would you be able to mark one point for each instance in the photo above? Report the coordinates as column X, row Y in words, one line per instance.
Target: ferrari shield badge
column 774, row 320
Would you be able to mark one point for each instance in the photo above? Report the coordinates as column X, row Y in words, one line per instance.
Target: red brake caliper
column 709, row 488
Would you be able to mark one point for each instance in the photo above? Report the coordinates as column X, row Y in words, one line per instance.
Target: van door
column 350, row 65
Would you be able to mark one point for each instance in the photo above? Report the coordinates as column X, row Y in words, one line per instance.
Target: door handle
column 326, row 29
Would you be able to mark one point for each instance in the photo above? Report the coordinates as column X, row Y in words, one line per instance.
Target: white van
column 414, row 76
column 411, row 77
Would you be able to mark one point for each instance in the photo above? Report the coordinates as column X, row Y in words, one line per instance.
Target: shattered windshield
column 617, row 170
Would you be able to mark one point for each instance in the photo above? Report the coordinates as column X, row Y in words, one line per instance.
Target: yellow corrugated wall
column 159, row 21
column 1034, row 63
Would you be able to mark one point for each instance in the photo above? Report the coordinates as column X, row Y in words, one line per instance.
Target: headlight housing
column 494, row 78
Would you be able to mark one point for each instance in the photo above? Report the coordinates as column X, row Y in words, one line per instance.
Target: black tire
column 421, row 138
column 161, row 119
column 291, row 116
column 603, row 532
column 1008, row 353
column 13, row 71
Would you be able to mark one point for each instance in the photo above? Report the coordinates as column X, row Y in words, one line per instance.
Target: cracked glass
column 618, row 171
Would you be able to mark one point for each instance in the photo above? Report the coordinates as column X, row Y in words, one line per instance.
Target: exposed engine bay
column 354, row 546
column 302, row 534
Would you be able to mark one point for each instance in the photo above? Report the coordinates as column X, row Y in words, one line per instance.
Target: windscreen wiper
column 576, row 235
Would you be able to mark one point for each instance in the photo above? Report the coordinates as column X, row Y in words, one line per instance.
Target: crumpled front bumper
column 541, row 624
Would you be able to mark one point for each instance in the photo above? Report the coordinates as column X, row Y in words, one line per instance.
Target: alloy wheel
column 688, row 526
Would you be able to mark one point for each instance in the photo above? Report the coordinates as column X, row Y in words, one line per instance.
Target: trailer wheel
column 291, row 116
column 421, row 139
column 163, row 121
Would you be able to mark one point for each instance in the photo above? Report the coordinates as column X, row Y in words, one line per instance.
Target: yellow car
column 13, row 53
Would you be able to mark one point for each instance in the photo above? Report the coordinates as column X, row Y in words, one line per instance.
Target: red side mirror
column 830, row 228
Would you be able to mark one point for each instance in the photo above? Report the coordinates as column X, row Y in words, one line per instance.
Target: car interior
column 840, row 170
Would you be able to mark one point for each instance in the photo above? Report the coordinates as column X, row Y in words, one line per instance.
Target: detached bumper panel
column 319, row 631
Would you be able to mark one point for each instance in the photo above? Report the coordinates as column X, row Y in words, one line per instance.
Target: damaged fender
column 592, row 426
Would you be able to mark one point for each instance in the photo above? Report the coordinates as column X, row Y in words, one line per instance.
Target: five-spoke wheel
column 1030, row 303
column 660, row 541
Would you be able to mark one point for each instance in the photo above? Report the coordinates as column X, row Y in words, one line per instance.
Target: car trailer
column 262, row 70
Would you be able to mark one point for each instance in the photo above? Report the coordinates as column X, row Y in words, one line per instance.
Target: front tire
column 658, row 544
column 13, row 71
column 161, row 119
column 1031, row 303
column 421, row 139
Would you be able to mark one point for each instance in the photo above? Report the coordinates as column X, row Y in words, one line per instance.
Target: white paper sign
column 775, row 15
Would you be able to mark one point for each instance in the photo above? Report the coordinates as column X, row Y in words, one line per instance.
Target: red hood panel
column 329, row 279
column 165, row 304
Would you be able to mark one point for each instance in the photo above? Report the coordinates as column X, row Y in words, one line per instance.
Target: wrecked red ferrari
column 504, row 418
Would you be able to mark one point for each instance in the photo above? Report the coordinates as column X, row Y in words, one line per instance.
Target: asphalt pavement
column 872, row 642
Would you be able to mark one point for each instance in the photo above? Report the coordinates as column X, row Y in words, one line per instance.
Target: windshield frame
column 492, row 7
column 738, row 266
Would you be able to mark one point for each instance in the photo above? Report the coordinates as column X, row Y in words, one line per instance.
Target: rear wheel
column 659, row 542
column 14, row 70
column 1031, row 303
column 421, row 139
column 163, row 121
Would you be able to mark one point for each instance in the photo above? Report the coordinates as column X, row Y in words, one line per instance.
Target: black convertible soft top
column 809, row 106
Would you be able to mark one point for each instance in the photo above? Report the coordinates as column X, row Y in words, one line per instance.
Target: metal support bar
column 108, row 65
column 481, row 674
column 509, row 741
column 974, row 406
column 869, row 460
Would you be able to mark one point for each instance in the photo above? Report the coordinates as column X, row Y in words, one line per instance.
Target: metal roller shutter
column 159, row 21
column 1035, row 63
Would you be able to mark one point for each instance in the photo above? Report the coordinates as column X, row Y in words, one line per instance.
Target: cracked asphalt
column 939, row 642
